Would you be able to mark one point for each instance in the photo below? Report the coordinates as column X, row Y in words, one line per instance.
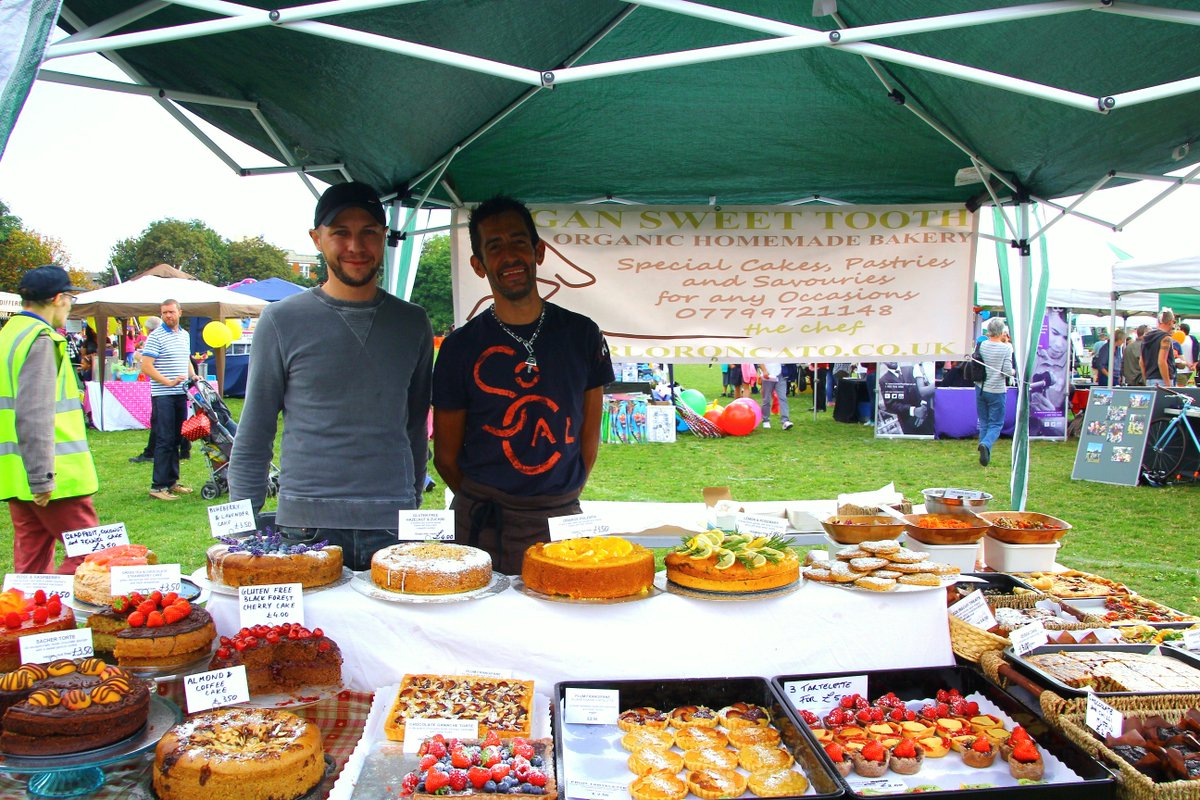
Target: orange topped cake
column 93, row 578
column 721, row 561
column 589, row 567
column 25, row 614
column 431, row 568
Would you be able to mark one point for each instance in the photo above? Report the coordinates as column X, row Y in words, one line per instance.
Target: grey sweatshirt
column 353, row 383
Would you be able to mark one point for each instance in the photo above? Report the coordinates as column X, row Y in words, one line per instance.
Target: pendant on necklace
column 530, row 364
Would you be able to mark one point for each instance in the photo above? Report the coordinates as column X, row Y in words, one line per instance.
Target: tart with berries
column 467, row 767
column 907, row 757
column 68, row 706
column 871, row 761
column 1025, row 760
column 265, row 558
column 24, row 614
column 840, row 758
column 153, row 631
column 980, row 754
column 281, row 657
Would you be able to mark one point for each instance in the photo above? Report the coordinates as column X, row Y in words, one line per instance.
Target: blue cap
column 42, row 283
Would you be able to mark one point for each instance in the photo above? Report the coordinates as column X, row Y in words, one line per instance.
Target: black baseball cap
column 42, row 283
column 340, row 196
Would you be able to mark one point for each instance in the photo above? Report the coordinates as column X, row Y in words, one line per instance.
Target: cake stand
column 76, row 774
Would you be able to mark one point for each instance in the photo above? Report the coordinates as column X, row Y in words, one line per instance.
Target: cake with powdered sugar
column 431, row 568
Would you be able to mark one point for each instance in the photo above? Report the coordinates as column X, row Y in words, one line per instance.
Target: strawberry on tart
column 24, row 615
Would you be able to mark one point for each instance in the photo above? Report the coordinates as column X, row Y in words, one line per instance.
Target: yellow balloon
column 1178, row 336
column 235, row 329
column 216, row 334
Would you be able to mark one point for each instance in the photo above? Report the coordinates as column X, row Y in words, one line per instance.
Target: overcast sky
column 93, row 167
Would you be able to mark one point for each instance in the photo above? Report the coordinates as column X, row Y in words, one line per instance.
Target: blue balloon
column 985, row 314
column 680, row 425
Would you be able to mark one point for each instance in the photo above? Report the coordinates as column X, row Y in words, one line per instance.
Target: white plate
column 725, row 597
column 296, row 698
column 520, row 586
column 201, row 578
column 363, row 584
column 198, row 664
column 948, row 580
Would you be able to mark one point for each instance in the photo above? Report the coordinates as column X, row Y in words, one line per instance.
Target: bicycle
column 1167, row 443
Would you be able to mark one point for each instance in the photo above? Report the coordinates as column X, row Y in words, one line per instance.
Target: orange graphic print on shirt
column 532, row 420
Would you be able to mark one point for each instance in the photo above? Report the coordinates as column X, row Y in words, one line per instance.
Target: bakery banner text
column 754, row 283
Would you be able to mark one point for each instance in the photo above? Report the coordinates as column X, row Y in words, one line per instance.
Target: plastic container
column 962, row 556
column 1004, row 557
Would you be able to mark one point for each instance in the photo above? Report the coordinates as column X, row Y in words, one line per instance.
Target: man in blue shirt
column 166, row 362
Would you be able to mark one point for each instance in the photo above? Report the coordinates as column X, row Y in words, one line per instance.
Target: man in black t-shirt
column 1158, row 354
column 517, row 397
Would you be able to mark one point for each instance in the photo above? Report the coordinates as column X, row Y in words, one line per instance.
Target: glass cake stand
column 75, row 774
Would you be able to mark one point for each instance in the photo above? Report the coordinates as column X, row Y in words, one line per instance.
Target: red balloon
column 737, row 420
column 714, row 416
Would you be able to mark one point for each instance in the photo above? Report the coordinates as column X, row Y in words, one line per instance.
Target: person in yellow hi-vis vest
column 46, row 470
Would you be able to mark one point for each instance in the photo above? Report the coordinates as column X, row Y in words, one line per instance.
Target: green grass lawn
column 1142, row 536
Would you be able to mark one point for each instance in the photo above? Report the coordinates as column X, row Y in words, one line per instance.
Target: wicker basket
column 971, row 642
column 1068, row 717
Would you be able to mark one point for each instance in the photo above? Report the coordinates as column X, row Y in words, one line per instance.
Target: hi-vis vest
column 74, row 472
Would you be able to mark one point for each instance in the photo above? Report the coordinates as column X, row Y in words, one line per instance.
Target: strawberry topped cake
column 93, row 578
column 25, row 614
column 280, row 657
column 152, row 631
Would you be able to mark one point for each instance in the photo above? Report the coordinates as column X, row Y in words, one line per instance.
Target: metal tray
column 1096, row 782
column 713, row 692
column 1000, row 583
column 1095, row 605
column 1041, row 677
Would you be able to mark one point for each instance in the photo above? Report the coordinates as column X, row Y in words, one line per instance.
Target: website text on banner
column 755, row 283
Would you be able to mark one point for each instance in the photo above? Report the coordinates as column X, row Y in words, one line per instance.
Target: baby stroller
column 213, row 424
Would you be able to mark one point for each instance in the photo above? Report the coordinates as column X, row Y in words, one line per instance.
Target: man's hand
column 42, row 499
column 178, row 380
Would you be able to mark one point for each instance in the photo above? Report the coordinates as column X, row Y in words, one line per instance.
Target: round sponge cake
column 602, row 567
column 431, row 568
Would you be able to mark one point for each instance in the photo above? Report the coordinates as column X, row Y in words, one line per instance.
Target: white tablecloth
column 815, row 629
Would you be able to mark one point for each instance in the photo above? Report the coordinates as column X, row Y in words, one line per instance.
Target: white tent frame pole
column 1088, row 217
column 1141, row 176
column 116, row 22
column 1112, row 337
column 1071, row 208
column 84, row 81
column 307, row 168
column 288, row 157
column 1154, row 13
column 1163, row 195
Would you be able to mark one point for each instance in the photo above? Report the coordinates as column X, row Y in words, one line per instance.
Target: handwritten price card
column 421, row 526
column 41, row 648
column 575, row 526
column 279, row 604
column 230, row 518
column 824, row 691
column 61, row 585
column 974, row 610
column 161, row 577
column 90, row 540
column 1027, row 638
column 1102, row 718
column 215, row 688
column 760, row 525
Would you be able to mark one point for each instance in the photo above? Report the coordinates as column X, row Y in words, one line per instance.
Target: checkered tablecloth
column 340, row 720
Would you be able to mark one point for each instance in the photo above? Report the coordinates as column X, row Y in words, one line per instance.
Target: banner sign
column 904, row 395
column 1050, row 384
column 754, row 283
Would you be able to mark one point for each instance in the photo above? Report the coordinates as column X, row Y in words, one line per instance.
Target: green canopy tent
column 669, row 101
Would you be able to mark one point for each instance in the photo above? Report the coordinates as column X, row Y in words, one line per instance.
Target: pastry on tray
column 745, row 737
column 710, row 757
column 980, row 754
column 692, row 716
column 641, row 717
column 658, row 738
column 715, row 784
column 907, row 758
column 699, row 738
column 786, row 782
column 658, row 786
column 871, row 761
column 840, row 758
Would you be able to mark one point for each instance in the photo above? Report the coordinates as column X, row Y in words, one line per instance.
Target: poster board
column 1114, row 433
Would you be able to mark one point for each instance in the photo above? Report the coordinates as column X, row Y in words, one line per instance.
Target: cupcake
column 840, row 758
column 907, row 758
column 871, row 761
column 980, row 754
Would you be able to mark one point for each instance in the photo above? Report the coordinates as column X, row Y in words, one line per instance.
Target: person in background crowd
column 46, row 469
column 517, row 396
column 774, row 385
column 167, row 363
column 1158, row 353
column 74, row 351
column 131, row 336
column 349, row 366
column 1190, row 353
column 87, row 355
column 1131, row 360
column 147, row 455
column 1100, row 360
column 820, row 378
column 991, row 392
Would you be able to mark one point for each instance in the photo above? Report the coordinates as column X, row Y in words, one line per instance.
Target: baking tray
column 1095, row 783
column 1050, row 682
column 1095, row 605
column 665, row 694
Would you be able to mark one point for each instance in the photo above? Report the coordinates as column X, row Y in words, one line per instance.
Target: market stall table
column 955, row 415
column 121, row 405
column 850, row 395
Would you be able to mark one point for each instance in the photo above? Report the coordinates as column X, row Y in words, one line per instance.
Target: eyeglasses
column 72, row 298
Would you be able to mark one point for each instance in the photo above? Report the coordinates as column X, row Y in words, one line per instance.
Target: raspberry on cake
column 281, row 657
column 431, row 568
column 474, row 767
column 25, row 614
column 600, row 567
column 265, row 558
column 93, row 578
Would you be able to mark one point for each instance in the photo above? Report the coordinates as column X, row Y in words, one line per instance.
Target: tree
column 255, row 258
column 432, row 287
column 22, row 250
column 8, row 223
column 122, row 260
column 190, row 246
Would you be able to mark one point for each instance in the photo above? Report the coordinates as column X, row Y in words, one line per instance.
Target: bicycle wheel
column 1164, row 450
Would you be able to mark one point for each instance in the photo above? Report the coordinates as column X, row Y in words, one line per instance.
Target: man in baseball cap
column 46, row 470
column 341, row 196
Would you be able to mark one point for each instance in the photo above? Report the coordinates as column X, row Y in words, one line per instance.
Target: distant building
column 302, row 264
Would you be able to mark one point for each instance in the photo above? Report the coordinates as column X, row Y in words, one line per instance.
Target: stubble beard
column 345, row 278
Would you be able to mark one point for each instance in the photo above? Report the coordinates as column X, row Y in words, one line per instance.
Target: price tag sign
column 877, row 785
column 418, row 729
column 423, row 526
column 215, row 688
column 758, row 525
column 1027, row 637
column 161, row 577
column 61, row 585
column 230, row 518
column 597, row 790
column 1102, row 718
column 575, row 526
column 89, row 540
column 1191, row 638
column 485, row 672
column 276, row 604
column 974, row 610
column 43, row 647
column 592, row 706
column 824, row 691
